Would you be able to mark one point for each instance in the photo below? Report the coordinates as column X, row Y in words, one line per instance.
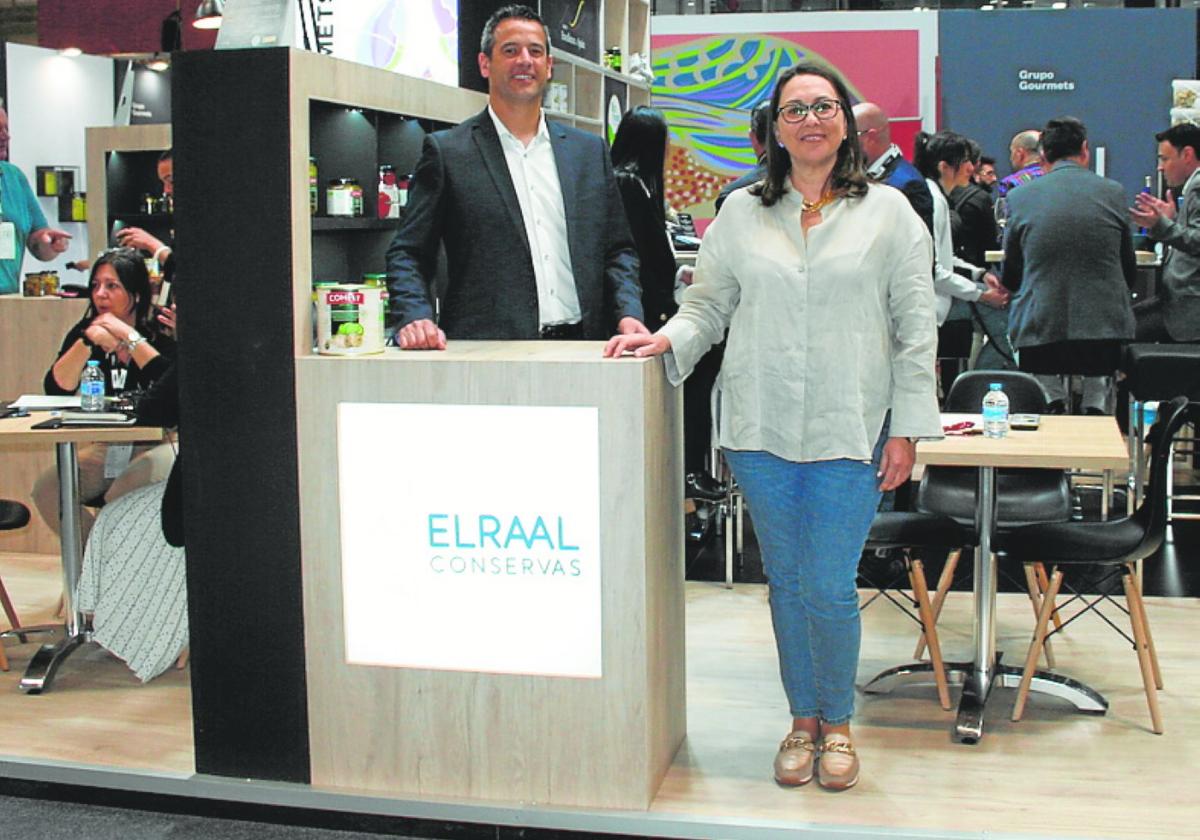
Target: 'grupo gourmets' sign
column 470, row 537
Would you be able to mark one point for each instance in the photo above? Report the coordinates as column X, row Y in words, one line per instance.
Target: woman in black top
column 638, row 154
column 119, row 331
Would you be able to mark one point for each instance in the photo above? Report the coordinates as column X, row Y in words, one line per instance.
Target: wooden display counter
column 531, row 732
column 31, row 331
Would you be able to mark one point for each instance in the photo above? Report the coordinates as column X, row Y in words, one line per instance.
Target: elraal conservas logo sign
column 502, row 545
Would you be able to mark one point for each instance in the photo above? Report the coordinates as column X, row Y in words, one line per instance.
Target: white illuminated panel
column 470, row 537
column 414, row 37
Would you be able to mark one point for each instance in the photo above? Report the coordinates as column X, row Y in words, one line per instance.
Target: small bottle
column 995, row 412
column 1147, row 189
column 91, row 387
column 402, row 185
column 389, row 193
column 312, row 185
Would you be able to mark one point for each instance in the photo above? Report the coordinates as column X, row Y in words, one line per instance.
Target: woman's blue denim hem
column 812, row 520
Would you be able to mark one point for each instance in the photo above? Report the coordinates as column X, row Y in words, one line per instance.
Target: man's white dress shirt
column 539, row 194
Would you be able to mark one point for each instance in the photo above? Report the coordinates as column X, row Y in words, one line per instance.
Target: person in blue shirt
column 22, row 223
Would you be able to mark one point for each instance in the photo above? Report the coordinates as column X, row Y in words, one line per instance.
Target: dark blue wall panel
column 1120, row 63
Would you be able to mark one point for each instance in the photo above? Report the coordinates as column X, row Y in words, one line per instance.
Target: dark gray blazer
column 1068, row 256
column 462, row 196
column 1180, row 290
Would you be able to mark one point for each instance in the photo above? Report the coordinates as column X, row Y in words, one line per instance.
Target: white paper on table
column 40, row 402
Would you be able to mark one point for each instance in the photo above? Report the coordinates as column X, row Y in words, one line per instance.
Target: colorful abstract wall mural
column 706, row 84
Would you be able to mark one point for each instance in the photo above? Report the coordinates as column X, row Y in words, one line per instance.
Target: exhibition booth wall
column 1003, row 73
column 977, row 73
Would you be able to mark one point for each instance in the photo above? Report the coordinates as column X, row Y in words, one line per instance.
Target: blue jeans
column 811, row 520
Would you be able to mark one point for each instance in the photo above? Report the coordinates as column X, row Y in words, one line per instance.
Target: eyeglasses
column 822, row 109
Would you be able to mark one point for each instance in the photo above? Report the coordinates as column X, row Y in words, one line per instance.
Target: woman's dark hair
column 947, row 147
column 974, row 152
column 640, row 149
column 849, row 175
column 130, row 266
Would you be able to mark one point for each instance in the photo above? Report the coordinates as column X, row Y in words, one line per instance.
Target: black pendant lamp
column 208, row 14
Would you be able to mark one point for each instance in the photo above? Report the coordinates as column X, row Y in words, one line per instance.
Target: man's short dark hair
column 1181, row 136
column 1063, row 137
column 488, row 40
column 984, row 160
column 760, row 121
column 169, row 154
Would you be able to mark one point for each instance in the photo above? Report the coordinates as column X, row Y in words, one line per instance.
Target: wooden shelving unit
column 121, row 166
column 624, row 24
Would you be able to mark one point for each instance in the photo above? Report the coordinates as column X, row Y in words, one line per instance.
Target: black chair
column 910, row 532
column 1115, row 546
column 1023, row 496
column 1156, row 372
column 1072, row 359
column 13, row 515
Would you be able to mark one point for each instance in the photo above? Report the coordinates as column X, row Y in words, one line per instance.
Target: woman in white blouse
column 823, row 281
column 942, row 159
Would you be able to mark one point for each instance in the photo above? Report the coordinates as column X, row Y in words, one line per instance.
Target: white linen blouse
column 947, row 283
column 827, row 331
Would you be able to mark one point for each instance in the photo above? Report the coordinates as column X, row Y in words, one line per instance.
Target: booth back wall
column 1119, row 63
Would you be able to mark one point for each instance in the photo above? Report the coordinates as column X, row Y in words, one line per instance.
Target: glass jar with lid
column 339, row 197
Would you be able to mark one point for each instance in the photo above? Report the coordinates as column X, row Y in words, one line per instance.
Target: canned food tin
column 349, row 320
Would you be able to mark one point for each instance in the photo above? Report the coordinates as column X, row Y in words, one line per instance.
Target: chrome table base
column 46, row 661
column 977, row 687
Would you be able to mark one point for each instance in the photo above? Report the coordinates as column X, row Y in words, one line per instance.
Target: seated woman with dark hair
column 134, row 573
column 118, row 331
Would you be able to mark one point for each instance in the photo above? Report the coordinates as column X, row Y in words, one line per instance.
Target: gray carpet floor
column 39, row 819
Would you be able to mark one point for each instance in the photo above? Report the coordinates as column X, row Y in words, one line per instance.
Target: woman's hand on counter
column 636, row 344
column 422, row 335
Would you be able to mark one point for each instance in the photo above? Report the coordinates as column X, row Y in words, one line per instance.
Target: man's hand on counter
column 422, row 335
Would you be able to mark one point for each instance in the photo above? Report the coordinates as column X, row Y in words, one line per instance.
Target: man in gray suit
column 536, row 241
column 1068, row 257
column 1174, row 315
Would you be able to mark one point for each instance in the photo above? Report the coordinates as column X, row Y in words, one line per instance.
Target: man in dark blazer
column 1068, row 258
column 536, row 239
column 885, row 162
column 1174, row 314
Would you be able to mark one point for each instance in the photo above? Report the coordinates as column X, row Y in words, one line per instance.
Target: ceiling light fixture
column 71, row 52
column 158, row 63
column 208, row 14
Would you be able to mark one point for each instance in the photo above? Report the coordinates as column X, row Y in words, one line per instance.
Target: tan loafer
column 839, row 762
column 794, row 761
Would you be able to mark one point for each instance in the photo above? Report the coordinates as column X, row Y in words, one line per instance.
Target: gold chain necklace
column 814, row 206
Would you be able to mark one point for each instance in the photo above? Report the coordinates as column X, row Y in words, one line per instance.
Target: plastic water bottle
column 91, row 387
column 995, row 412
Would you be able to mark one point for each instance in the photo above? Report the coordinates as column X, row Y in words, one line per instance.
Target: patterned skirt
column 134, row 585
